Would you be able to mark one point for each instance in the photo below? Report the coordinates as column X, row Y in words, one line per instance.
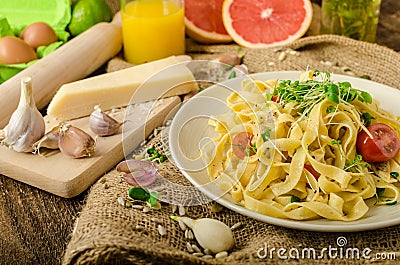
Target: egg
column 14, row 50
column 38, row 34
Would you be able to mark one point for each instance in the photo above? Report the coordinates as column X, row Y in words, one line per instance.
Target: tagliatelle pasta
column 298, row 160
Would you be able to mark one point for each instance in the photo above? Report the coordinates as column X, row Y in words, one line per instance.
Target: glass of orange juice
column 152, row 29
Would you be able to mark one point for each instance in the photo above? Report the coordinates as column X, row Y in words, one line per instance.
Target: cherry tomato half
column 310, row 169
column 242, row 145
column 382, row 147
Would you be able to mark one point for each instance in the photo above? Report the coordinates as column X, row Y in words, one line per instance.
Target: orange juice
column 152, row 29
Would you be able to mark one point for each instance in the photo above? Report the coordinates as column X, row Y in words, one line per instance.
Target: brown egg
column 13, row 50
column 38, row 34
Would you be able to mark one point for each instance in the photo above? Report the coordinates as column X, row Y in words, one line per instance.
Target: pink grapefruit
column 266, row 23
column 203, row 21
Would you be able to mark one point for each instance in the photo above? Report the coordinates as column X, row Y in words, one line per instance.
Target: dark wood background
column 35, row 226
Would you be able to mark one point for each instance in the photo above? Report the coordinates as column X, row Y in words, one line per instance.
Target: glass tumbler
column 152, row 29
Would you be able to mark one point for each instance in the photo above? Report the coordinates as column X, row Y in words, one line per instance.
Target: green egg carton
column 15, row 15
column 21, row 13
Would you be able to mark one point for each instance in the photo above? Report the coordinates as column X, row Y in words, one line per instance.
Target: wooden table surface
column 35, row 226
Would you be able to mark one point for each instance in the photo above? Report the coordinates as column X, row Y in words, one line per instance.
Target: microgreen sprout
column 155, row 155
column 309, row 93
column 356, row 164
column 251, row 150
column 266, row 134
column 366, row 118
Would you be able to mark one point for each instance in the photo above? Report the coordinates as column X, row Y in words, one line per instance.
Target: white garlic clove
column 74, row 142
column 103, row 124
column 211, row 234
column 26, row 125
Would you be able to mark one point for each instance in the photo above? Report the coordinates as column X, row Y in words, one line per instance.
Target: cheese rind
column 149, row 81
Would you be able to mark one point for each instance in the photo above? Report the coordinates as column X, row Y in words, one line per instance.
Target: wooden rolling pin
column 74, row 60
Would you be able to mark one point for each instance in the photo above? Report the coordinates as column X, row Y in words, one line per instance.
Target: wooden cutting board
column 68, row 177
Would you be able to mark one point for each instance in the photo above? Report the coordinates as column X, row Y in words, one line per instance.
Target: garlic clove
column 210, row 233
column 49, row 140
column 26, row 125
column 74, row 142
column 103, row 124
column 228, row 59
column 138, row 172
column 131, row 165
column 139, row 179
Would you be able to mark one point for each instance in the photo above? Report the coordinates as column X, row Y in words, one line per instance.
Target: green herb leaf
column 152, row 151
column 232, row 75
column 227, row 68
column 366, row 77
column 330, row 109
column 153, row 199
column 138, row 193
column 394, row 174
column 334, row 98
column 366, row 118
column 365, row 96
column 162, row 158
column 266, row 134
column 379, row 191
column 294, row 199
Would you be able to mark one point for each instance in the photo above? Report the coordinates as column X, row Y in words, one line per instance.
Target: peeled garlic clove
column 103, row 124
column 74, row 142
column 210, row 233
column 26, row 125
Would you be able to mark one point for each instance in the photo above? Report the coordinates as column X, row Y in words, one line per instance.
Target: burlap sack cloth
column 108, row 233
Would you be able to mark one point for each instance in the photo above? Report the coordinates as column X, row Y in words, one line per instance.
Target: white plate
column 189, row 127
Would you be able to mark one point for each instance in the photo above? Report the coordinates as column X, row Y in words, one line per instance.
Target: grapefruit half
column 203, row 21
column 266, row 23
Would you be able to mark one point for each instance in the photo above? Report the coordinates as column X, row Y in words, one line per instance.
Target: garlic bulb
column 26, row 125
column 74, row 142
column 102, row 124
column 210, row 233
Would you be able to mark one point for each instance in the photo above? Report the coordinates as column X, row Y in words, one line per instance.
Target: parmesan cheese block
column 158, row 79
